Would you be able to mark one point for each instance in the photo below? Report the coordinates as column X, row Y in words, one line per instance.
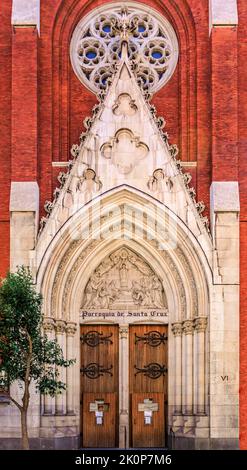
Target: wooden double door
column 100, row 385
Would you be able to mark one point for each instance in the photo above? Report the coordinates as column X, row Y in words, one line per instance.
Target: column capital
column 71, row 328
column 60, row 326
column 123, row 331
column 188, row 327
column 200, row 323
column 177, row 329
column 48, row 324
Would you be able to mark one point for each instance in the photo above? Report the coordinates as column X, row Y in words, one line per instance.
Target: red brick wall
column 224, row 104
column 242, row 137
column 24, row 104
column 5, row 131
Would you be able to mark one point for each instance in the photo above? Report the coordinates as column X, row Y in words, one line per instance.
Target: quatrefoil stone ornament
column 125, row 151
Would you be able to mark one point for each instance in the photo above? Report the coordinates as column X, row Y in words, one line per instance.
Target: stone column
column 49, row 330
column 200, row 325
column 188, row 367
column 61, row 339
column 124, row 386
column 70, row 330
column 177, row 331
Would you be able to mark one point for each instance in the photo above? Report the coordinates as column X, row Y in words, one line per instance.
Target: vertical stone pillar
column 49, row 330
column 61, row 339
column 200, row 325
column 188, row 367
column 70, row 371
column 124, row 386
column 224, row 321
column 177, row 331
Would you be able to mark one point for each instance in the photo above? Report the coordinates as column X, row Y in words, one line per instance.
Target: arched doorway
column 128, row 288
column 124, row 356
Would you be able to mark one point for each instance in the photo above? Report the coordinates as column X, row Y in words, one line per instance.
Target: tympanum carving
column 124, row 280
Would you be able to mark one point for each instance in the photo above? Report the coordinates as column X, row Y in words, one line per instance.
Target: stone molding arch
column 68, row 263
column 66, row 253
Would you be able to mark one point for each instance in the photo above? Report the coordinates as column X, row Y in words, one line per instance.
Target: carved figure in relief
column 146, row 288
column 92, row 289
column 105, row 267
column 115, row 258
column 137, row 293
column 159, row 183
column 123, row 272
column 141, row 266
column 88, row 184
column 105, row 294
column 157, row 297
column 121, row 279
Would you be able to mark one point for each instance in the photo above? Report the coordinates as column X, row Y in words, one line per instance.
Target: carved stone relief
column 124, row 106
column 123, row 280
column 70, row 279
column 125, row 151
column 160, row 183
column 88, row 184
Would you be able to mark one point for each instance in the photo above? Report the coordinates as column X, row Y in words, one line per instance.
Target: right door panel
column 148, row 384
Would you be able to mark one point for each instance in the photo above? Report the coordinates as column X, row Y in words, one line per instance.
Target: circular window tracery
column 96, row 47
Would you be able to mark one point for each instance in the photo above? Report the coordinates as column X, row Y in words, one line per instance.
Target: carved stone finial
column 48, row 206
column 62, row 178
column 124, row 26
column 173, row 149
column 42, row 224
column 200, row 206
column 56, row 193
column 75, row 150
column 187, row 179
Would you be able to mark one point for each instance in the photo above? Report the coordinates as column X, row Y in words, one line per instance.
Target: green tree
column 26, row 353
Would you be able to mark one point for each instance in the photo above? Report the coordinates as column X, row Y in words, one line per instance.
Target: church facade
column 123, row 189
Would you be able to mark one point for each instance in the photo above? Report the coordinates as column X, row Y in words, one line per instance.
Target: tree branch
column 16, row 403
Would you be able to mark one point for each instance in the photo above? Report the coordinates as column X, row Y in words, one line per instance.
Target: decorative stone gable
column 125, row 144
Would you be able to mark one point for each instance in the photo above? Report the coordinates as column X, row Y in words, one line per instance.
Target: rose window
column 96, row 46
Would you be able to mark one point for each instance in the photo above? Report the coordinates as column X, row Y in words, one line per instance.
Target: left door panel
column 99, row 385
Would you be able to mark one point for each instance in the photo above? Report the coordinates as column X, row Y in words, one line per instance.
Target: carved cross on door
column 148, row 407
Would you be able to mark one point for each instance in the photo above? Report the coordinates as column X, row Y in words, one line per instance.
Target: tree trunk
column 24, row 433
